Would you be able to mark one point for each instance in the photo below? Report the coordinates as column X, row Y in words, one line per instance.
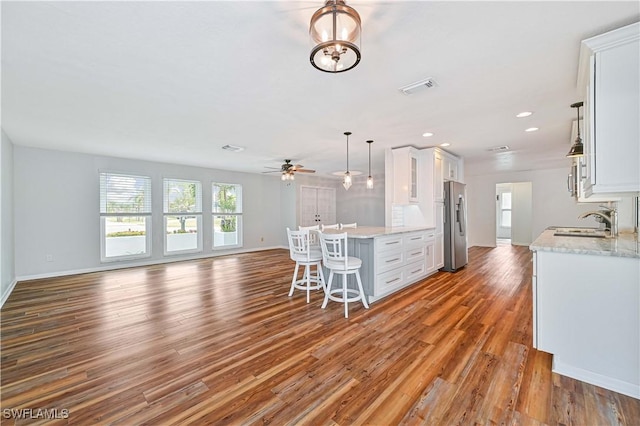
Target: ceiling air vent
column 499, row 148
column 418, row 85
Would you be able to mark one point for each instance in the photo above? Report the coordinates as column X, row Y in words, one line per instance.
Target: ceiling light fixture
column 427, row 134
column 335, row 34
column 288, row 176
column 524, row 114
column 369, row 179
column 233, row 148
column 346, row 182
column 531, row 129
column 577, row 149
column 445, row 144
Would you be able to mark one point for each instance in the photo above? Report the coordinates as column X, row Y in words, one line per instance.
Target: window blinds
column 120, row 193
column 182, row 196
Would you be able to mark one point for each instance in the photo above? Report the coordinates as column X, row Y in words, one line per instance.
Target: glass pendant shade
column 335, row 32
column 369, row 179
column 346, row 182
column 577, row 149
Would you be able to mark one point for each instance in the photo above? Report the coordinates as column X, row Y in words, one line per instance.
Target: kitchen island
column 392, row 257
column 586, row 308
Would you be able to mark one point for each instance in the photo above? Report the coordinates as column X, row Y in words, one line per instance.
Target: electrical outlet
column 49, row 258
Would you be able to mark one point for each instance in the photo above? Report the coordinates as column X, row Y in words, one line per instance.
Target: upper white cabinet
column 406, row 175
column 609, row 80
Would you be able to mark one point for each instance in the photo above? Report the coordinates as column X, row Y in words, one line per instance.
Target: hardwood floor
column 218, row 341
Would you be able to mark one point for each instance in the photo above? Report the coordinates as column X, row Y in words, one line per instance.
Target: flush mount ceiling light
column 577, row 149
column 335, row 34
column 445, row 144
column 427, row 134
column 524, row 114
column 346, row 182
column 531, row 129
column 369, row 179
column 233, row 148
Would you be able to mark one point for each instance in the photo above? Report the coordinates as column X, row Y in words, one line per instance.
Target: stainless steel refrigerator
column 455, row 226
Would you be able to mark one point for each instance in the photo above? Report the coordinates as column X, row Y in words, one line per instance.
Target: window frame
column 167, row 214
column 238, row 214
column 147, row 215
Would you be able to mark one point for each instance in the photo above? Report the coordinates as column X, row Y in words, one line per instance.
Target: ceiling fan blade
column 305, row 171
column 272, row 171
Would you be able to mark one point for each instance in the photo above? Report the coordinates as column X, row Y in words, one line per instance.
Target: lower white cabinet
column 400, row 260
column 586, row 312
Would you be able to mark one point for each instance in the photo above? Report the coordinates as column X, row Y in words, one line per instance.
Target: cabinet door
column 413, row 177
column 438, row 182
column 617, row 108
column 430, row 256
column 326, row 205
column 439, row 252
column 308, row 206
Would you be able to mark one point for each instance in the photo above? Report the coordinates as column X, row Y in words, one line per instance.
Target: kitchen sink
column 581, row 232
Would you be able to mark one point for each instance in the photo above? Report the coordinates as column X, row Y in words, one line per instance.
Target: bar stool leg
column 293, row 281
column 361, row 289
column 328, row 290
column 321, row 276
column 344, row 295
column 307, row 278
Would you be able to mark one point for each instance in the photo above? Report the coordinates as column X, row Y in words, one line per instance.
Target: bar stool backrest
column 334, row 250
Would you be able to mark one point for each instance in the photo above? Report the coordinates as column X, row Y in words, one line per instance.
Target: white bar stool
column 314, row 240
column 335, row 257
column 306, row 255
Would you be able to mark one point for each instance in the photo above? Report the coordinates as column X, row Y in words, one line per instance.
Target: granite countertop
column 374, row 231
column 624, row 245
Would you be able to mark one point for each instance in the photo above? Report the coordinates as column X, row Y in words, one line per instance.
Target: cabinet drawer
column 415, row 238
column 389, row 260
column 415, row 253
column 391, row 242
column 389, row 281
column 415, row 271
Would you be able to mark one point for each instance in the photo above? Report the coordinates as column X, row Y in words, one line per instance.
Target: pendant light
column 346, row 182
column 577, row 149
column 369, row 179
column 335, row 34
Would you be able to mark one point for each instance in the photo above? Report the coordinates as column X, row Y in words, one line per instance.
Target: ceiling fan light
column 335, row 31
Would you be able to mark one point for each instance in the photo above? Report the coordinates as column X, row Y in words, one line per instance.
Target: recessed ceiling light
column 427, row 134
column 531, row 129
column 445, row 144
column 233, row 148
column 524, row 114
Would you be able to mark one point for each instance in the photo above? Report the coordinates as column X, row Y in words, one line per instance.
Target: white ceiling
column 175, row 81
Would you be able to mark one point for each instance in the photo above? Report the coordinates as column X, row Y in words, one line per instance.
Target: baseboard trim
column 596, row 379
column 121, row 265
column 7, row 293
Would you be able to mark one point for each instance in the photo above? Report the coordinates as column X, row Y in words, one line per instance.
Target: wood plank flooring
column 218, row 341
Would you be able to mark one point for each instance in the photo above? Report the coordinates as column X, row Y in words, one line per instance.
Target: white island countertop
column 624, row 245
column 375, row 231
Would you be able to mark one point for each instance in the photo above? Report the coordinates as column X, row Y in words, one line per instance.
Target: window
column 125, row 216
column 505, row 210
column 182, row 216
column 227, row 215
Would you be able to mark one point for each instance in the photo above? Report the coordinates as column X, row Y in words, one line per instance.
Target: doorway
column 514, row 214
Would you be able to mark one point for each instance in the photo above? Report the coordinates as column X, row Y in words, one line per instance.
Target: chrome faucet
column 608, row 216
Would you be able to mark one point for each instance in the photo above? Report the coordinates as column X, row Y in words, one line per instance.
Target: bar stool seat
column 301, row 252
column 335, row 257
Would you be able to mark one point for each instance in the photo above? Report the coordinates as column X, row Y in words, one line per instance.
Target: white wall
column 521, row 213
column 551, row 204
column 7, row 265
column 57, row 209
column 359, row 204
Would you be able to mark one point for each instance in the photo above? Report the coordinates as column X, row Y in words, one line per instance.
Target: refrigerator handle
column 460, row 215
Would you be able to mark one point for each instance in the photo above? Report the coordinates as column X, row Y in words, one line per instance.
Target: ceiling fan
column 287, row 169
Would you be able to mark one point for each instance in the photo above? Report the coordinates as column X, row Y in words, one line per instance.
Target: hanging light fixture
column 577, row 149
column 346, row 182
column 335, row 34
column 369, row 179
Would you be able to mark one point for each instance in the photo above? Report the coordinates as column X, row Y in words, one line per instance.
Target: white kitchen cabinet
column 609, row 80
column 317, row 205
column 586, row 312
column 406, row 175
